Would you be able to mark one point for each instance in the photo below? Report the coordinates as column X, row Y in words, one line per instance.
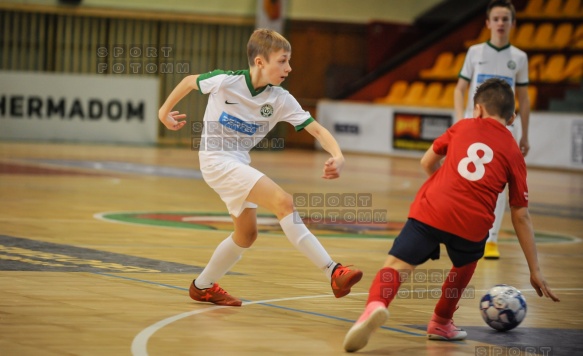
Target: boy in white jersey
column 496, row 58
column 243, row 107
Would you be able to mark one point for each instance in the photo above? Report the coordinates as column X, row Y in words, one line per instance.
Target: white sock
column 499, row 215
column 226, row 255
column 329, row 269
column 303, row 240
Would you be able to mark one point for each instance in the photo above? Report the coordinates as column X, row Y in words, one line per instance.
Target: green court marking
column 268, row 224
column 135, row 219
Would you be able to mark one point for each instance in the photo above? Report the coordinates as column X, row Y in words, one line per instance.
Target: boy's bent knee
column 283, row 205
column 245, row 239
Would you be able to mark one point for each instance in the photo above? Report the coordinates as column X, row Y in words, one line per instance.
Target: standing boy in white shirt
column 496, row 58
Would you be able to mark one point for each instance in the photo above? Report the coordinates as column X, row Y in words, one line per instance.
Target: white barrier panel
column 556, row 140
column 72, row 107
column 383, row 129
column 357, row 127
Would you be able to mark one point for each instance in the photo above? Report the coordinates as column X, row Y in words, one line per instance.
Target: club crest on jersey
column 266, row 110
column 511, row 64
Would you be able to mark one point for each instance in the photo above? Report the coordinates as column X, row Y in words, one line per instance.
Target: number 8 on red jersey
column 478, row 161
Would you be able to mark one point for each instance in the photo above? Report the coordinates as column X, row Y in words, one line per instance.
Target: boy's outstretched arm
column 334, row 164
column 170, row 118
column 431, row 161
column 525, row 233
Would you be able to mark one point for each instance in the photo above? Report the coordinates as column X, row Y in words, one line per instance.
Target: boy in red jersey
column 455, row 206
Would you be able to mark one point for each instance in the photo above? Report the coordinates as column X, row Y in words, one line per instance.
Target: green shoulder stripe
column 304, row 124
column 464, row 78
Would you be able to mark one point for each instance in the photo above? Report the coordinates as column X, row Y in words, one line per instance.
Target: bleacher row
column 552, row 9
column 545, row 36
column 553, row 40
column 432, row 94
column 541, row 68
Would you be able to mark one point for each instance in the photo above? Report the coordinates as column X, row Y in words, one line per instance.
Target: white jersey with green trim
column 484, row 61
column 238, row 117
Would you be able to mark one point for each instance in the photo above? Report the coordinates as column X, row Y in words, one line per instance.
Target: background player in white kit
column 243, row 107
column 496, row 58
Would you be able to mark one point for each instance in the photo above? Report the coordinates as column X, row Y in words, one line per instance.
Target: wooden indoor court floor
column 98, row 245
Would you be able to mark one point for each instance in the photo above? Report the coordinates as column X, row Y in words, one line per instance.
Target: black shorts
column 418, row 242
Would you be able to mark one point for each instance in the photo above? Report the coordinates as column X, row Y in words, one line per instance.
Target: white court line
column 140, row 342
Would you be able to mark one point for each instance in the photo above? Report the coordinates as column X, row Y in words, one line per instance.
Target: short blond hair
column 263, row 42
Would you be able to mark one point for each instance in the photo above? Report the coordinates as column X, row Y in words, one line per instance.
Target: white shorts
column 233, row 181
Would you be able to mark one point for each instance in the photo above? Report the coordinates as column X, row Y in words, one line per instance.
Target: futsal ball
column 503, row 307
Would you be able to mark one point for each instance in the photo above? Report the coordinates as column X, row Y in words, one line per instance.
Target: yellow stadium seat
column 414, row 94
column 577, row 42
column 542, row 37
column 446, row 99
column 535, row 67
column 457, row 65
column 482, row 37
column 572, row 8
column 574, row 69
column 532, row 98
column 533, row 8
column 563, row 36
column 553, row 70
column 553, row 8
column 441, row 66
column 524, row 34
column 432, row 94
column 450, row 72
column 396, row 93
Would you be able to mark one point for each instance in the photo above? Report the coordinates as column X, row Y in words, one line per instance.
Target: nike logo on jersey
column 227, row 102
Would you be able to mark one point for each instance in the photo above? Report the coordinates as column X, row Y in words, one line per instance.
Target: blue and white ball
column 503, row 307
